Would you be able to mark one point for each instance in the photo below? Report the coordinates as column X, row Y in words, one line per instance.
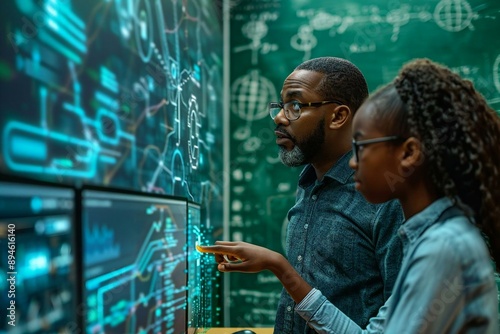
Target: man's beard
column 304, row 151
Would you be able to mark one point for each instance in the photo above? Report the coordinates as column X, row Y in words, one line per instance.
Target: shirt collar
column 340, row 171
column 414, row 227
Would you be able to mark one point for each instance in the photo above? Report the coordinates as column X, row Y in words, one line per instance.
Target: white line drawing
column 304, row 41
column 256, row 30
column 496, row 73
column 454, row 15
column 250, row 95
column 449, row 15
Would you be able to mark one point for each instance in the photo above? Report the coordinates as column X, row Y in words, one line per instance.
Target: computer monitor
column 37, row 252
column 203, row 304
column 134, row 262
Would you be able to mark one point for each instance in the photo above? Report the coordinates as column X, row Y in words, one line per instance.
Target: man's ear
column 412, row 154
column 340, row 116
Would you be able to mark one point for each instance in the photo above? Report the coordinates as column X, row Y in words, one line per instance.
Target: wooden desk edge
column 221, row 330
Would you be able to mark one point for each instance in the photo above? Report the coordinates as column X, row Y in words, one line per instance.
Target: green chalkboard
column 269, row 38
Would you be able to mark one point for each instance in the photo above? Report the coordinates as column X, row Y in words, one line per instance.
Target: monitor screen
column 204, row 290
column 37, row 272
column 134, row 264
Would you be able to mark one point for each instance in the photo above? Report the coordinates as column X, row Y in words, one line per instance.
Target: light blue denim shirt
column 446, row 283
column 342, row 245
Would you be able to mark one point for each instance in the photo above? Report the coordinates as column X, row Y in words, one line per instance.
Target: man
column 338, row 242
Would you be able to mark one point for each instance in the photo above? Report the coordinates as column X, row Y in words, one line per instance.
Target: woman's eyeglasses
column 356, row 145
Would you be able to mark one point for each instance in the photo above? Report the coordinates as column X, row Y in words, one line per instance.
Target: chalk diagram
column 123, row 93
column 250, row 95
column 496, row 73
column 449, row 15
column 454, row 15
column 496, row 80
column 482, row 80
column 255, row 30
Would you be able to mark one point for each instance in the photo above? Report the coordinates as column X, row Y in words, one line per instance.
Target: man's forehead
column 300, row 81
column 304, row 75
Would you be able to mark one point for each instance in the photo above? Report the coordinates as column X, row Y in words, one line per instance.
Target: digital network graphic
column 38, row 289
column 134, row 276
column 121, row 92
column 123, row 95
column 203, row 284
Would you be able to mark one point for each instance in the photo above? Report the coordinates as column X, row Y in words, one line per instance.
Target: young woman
column 430, row 140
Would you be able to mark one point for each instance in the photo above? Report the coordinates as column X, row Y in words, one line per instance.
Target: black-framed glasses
column 357, row 144
column 293, row 108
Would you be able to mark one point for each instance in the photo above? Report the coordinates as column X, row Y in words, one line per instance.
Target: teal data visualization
column 124, row 93
column 38, row 276
column 134, row 263
column 204, row 306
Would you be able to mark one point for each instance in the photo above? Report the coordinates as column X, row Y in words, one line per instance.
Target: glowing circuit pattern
column 120, row 92
column 134, row 277
column 203, row 287
column 38, row 287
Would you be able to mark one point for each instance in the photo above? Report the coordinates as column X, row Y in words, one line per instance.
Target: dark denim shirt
column 341, row 245
column 446, row 283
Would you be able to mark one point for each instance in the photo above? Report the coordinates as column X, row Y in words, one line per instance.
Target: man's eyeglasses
column 356, row 145
column 292, row 109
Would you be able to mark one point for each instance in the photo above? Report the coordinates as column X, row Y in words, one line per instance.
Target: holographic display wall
column 119, row 92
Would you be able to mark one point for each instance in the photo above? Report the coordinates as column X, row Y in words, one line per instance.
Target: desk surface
column 234, row 329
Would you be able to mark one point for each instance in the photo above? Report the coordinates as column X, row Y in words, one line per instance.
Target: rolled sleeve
column 310, row 304
column 323, row 316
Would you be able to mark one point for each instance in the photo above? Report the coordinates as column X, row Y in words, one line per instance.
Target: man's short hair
column 342, row 80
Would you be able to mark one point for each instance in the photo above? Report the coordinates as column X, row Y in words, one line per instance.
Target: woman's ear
column 412, row 154
column 340, row 116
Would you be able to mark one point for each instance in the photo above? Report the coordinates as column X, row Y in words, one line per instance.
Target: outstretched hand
column 242, row 256
column 248, row 258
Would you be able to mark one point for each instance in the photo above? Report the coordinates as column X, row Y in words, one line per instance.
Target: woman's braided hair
column 460, row 135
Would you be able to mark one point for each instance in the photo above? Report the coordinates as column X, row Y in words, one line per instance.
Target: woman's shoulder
column 454, row 238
